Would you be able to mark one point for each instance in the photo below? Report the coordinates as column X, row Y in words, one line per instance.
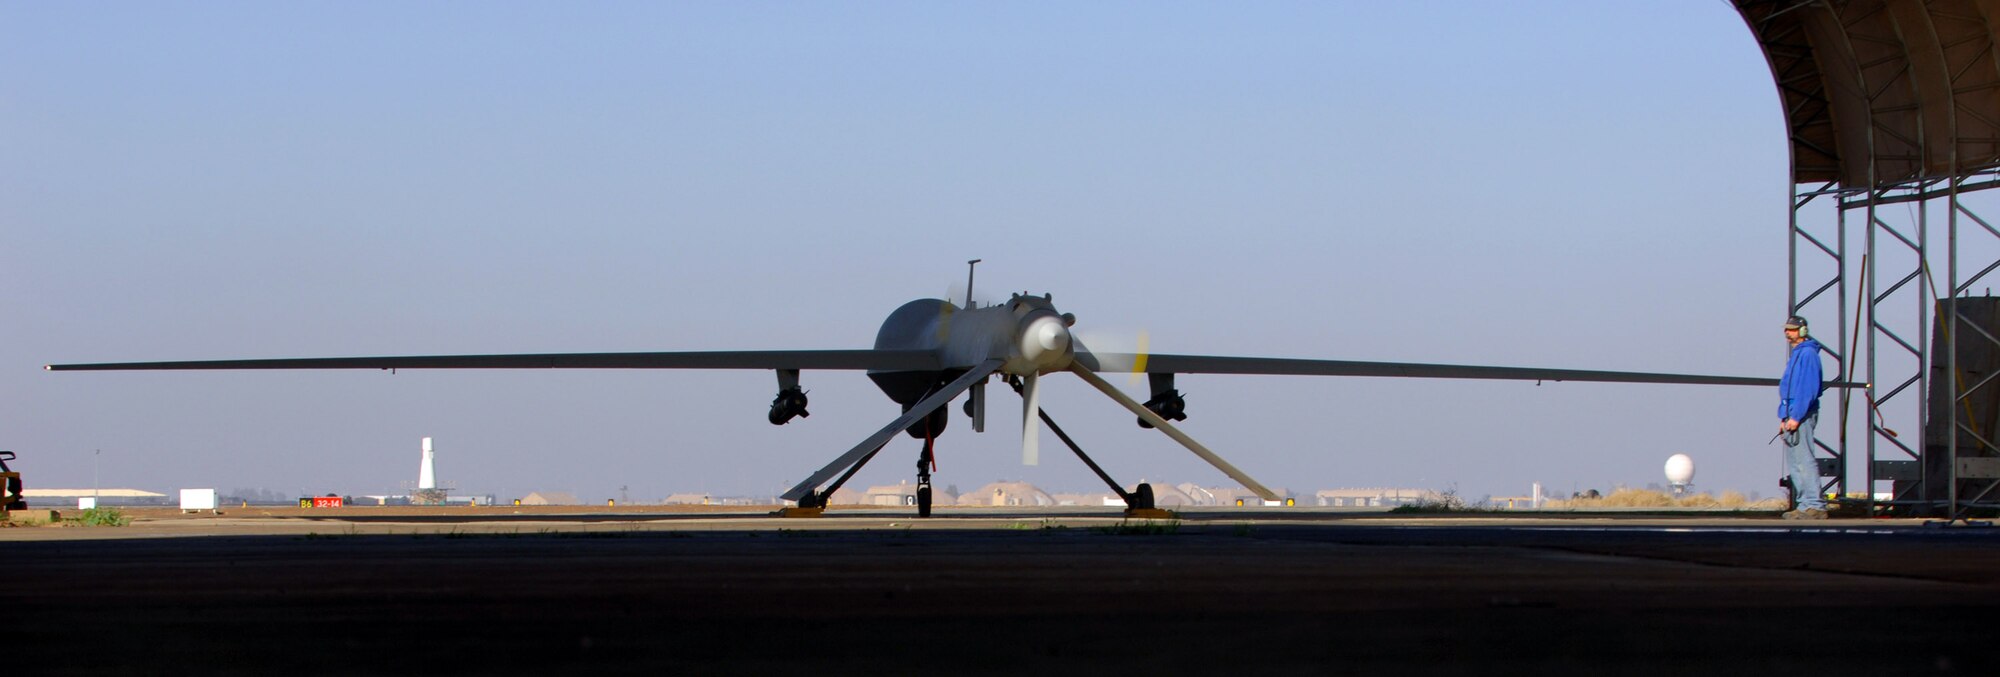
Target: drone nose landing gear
column 924, row 463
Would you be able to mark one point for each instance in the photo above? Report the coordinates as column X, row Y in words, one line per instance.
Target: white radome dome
column 1680, row 469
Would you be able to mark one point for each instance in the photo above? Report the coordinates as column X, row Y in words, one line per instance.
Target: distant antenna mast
column 970, row 267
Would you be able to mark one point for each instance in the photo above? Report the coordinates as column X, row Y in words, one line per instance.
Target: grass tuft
column 1141, row 528
column 1647, row 498
column 1436, row 502
column 100, row 517
column 1045, row 525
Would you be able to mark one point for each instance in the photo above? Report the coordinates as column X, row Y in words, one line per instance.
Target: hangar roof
column 1884, row 92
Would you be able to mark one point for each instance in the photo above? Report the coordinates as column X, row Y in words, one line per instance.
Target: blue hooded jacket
column 1798, row 389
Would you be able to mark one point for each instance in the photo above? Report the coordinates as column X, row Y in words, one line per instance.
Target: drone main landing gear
column 1143, row 495
column 1154, row 418
column 1138, row 501
column 811, row 500
column 813, row 503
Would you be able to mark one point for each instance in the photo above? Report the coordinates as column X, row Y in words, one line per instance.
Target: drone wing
column 1213, row 364
column 873, row 360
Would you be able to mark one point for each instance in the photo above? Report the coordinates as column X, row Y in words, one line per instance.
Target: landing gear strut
column 808, row 490
column 1138, row 501
column 813, row 503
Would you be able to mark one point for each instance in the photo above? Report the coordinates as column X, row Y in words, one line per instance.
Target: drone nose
column 1044, row 340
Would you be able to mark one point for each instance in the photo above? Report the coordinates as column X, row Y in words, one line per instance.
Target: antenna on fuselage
column 970, row 266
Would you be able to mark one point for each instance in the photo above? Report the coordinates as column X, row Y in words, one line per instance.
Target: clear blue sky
column 1575, row 184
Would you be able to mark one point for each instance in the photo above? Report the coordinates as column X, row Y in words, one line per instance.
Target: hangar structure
column 1892, row 108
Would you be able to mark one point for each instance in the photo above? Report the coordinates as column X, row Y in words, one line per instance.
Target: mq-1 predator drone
column 930, row 351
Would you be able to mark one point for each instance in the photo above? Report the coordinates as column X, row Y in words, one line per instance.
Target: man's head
column 1796, row 329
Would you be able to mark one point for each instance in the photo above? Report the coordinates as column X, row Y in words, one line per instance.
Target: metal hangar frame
column 1893, row 112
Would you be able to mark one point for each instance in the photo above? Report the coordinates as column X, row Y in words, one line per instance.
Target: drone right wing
column 1213, row 364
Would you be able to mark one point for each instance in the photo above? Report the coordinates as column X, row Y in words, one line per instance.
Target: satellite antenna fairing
column 1680, row 472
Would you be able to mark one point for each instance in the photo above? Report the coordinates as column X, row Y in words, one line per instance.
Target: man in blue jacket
column 1798, row 412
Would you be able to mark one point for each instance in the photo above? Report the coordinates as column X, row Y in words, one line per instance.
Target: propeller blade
column 1139, row 361
column 975, row 400
column 1031, row 421
column 1115, row 352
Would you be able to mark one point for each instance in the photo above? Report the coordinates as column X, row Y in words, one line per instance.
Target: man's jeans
column 1801, row 467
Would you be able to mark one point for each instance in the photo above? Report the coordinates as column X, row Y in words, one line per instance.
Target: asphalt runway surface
column 997, row 593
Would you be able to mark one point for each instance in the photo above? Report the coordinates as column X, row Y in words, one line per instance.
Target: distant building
column 1198, row 494
column 549, row 498
column 902, row 493
column 50, row 498
column 1167, row 496
column 435, row 497
column 744, row 500
column 846, row 496
column 711, row 499
column 1369, row 498
column 1007, row 494
column 1226, row 496
column 1163, row 496
column 1185, row 494
column 905, row 493
column 1101, row 498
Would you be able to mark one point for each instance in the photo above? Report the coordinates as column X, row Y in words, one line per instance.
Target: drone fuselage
column 1026, row 333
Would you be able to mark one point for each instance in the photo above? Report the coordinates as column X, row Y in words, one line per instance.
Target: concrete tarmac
column 986, row 592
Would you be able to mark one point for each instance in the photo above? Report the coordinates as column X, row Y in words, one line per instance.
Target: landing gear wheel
column 1139, row 505
column 1142, row 497
column 923, row 501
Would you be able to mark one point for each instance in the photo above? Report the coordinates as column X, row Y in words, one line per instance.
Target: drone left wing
column 874, row 360
column 1213, row 364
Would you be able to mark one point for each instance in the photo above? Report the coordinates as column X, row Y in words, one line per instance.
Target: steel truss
column 1893, row 293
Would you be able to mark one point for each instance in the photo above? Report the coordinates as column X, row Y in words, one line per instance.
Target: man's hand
column 1789, row 425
